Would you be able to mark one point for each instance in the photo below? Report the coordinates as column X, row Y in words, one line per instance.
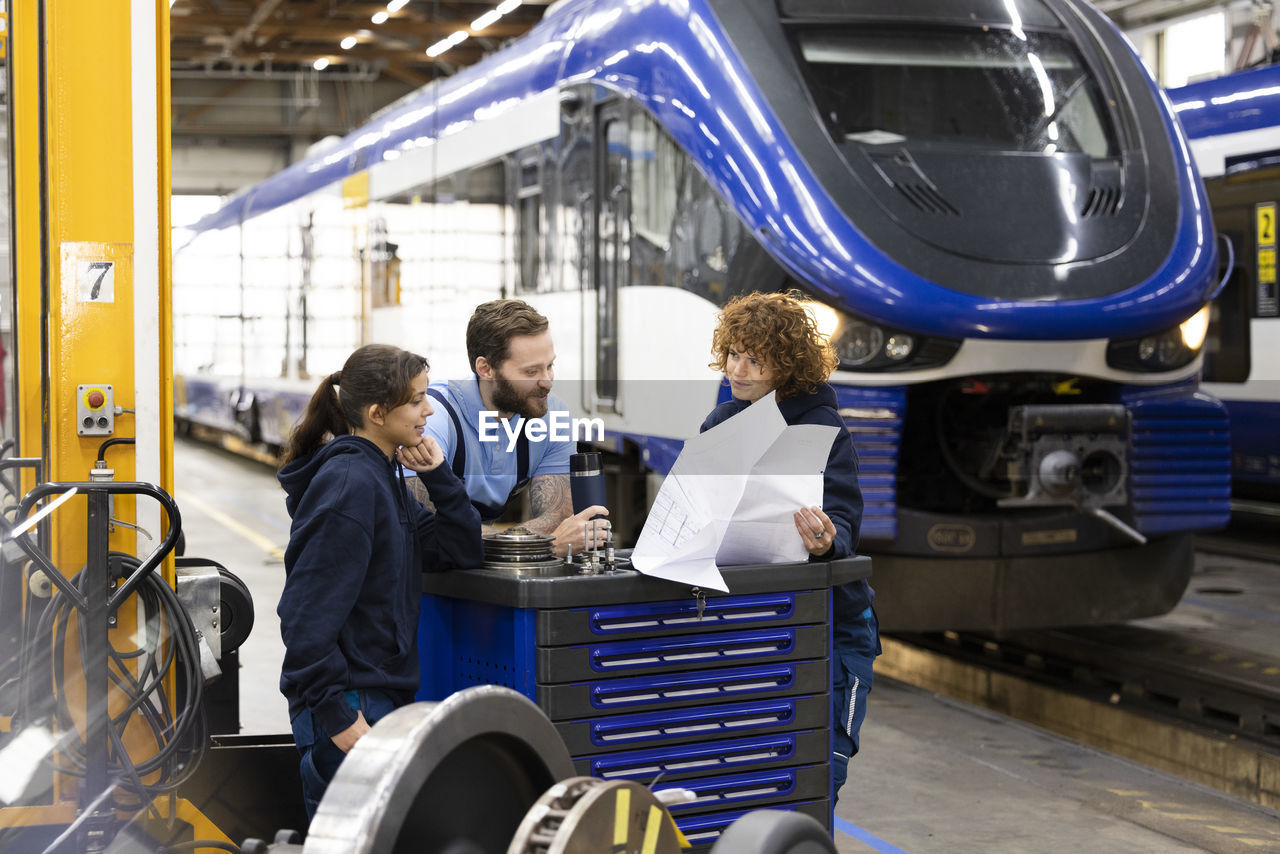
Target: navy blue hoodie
column 841, row 497
column 353, row 586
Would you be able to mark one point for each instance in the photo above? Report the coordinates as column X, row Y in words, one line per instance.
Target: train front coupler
column 1071, row 456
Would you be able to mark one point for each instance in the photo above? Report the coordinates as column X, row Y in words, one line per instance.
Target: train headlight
column 899, row 346
column 866, row 346
column 1195, row 328
column 859, row 344
column 1161, row 351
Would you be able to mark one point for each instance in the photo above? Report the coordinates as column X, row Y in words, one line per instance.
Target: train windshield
column 1004, row 89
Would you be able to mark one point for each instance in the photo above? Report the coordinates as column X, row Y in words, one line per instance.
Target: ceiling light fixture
column 397, row 5
column 444, row 44
column 379, row 17
column 485, row 20
column 508, row 6
column 321, row 64
column 347, row 43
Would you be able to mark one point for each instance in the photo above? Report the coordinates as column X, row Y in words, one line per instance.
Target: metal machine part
column 1068, row 455
column 585, row 815
column 197, row 589
column 458, row 775
column 1072, row 456
column 519, row 548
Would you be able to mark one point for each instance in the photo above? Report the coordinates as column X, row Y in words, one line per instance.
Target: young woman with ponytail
column 357, row 546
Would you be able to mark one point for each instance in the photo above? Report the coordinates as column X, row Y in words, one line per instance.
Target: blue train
column 1233, row 123
column 989, row 203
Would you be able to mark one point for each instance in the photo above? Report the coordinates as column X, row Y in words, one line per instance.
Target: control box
column 95, row 410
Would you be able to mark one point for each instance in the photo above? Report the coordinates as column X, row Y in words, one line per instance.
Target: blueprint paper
column 730, row 497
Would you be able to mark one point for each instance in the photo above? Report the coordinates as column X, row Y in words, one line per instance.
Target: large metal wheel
column 774, row 832
column 454, row 777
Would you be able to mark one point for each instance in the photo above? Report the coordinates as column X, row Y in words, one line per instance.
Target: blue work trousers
column 320, row 756
column 855, row 653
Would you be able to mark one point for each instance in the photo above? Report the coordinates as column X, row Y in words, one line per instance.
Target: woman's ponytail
column 322, row 418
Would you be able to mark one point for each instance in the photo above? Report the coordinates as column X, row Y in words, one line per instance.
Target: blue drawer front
column 652, row 619
column 673, row 690
column 675, row 726
column 755, row 788
column 710, row 757
column 683, row 652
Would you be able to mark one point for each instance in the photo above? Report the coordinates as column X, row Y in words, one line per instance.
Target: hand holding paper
column 730, row 497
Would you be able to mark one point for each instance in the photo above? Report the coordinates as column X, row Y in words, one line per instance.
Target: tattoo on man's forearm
column 547, row 493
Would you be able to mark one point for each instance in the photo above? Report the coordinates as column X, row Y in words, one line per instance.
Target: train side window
column 529, row 228
column 657, row 164
column 1226, row 348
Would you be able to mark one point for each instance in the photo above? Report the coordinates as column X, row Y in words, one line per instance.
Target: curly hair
column 778, row 331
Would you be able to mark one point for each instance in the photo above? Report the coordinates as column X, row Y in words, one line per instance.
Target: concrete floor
column 934, row 775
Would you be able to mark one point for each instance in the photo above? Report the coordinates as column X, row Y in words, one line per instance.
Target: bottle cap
column 581, row 465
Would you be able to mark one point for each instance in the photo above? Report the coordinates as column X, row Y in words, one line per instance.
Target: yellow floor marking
column 226, row 521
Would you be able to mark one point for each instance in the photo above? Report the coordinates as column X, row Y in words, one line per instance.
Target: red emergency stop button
column 95, row 398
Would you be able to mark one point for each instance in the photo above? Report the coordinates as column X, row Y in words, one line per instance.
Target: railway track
column 1204, row 685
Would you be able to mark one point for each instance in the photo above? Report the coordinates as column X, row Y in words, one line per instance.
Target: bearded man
column 513, row 365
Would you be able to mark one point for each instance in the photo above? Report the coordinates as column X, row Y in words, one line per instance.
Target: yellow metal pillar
column 90, row 106
column 90, row 131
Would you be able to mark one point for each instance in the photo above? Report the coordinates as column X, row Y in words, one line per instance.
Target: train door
column 612, row 237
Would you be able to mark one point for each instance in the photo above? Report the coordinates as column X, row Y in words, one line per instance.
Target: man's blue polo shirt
column 491, row 470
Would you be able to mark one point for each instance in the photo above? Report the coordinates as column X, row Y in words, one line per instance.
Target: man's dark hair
column 492, row 326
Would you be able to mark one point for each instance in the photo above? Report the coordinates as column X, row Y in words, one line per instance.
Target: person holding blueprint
column 769, row 344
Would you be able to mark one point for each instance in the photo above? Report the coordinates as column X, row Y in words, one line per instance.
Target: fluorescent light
column 485, row 20
column 444, row 44
column 379, row 17
column 321, row 64
column 507, row 6
column 347, row 43
column 397, row 5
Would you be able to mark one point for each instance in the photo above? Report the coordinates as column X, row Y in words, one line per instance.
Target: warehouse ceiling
column 292, row 71
column 388, row 40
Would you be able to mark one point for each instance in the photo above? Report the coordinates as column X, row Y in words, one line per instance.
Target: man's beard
column 506, row 398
